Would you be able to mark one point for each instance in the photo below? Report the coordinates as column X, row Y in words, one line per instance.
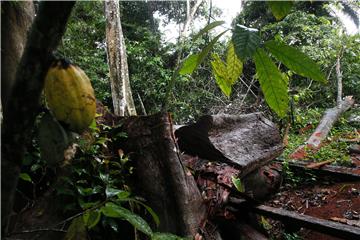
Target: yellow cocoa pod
column 70, row 96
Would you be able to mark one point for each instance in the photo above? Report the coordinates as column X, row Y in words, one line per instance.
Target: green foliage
column 203, row 54
column 295, row 60
column 194, row 60
column 97, row 184
column 220, row 73
column 166, row 236
column 226, row 74
column 189, row 64
column 289, row 176
column 83, row 44
column 273, row 83
column 350, row 66
column 115, row 211
column 91, row 218
column 25, row 177
column 310, row 28
column 255, row 14
column 246, row 41
column 332, row 148
column 149, row 67
column 292, row 236
column 207, row 28
column 234, row 66
column 238, row 184
column 280, row 8
column 77, row 230
column 319, row 39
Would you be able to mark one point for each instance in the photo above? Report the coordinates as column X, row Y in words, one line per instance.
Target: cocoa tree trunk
column 116, row 52
column 16, row 19
column 21, row 110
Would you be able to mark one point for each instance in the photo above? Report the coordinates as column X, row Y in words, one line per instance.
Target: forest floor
column 325, row 200
column 325, row 197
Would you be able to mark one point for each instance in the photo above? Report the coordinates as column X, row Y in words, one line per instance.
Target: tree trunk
column 160, row 176
column 190, row 13
column 20, row 112
column 339, row 80
column 330, row 117
column 16, row 19
column 116, row 52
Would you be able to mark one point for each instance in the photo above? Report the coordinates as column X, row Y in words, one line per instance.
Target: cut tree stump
column 160, row 176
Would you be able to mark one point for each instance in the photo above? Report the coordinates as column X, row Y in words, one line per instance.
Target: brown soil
column 341, row 200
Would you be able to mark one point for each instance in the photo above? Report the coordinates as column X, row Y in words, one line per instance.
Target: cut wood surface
column 249, row 140
column 330, row 117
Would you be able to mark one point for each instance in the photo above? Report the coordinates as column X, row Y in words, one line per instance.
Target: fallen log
column 343, row 173
column 335, row 229
column 315, row 165
column 330, row 117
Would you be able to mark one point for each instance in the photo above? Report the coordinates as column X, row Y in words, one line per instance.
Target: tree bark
column 330, row 117
column 16, row 19
column 20, row 112
column 339, row 79
column 116, row 52
column 160, row 176
column 190, row 13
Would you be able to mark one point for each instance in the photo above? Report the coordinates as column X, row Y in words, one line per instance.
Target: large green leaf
column 238, row 184
column 280, row 8
column 166, row 236
column 189, row 64
column 220, row 73
column 295, row 60
column 233, row 65
column 25, row 177
column 91, row 218
column 53, row 140
column 76, row 230
column 272, row 82
column 195, row 60
column 246, row 41
column 110, row 192
column 88, row 191
column 207, row 28
column 115, row 211
column 208, row 48
column 149, row 209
